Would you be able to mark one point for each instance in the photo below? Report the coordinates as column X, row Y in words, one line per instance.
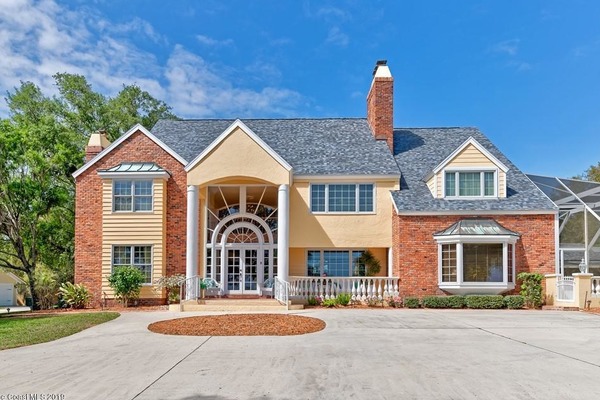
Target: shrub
column 313, row 301
column 372, row 264
column 455, row 301
column 514, row 301
column 395, row 301
column 484, row 301
column 76, row 296
column 531, row 288
column 329, row 303
column 374, row 301
column 343, row 299
column 46, row 288
column 171, row 284
column 126, row 282
column 412, row 302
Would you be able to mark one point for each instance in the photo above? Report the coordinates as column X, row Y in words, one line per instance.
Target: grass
column 25, row 331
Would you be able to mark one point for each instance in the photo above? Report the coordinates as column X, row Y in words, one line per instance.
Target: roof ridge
column 263, row 119
column 439, row 127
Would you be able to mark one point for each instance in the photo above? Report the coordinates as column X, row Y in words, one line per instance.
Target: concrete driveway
column 361, row 354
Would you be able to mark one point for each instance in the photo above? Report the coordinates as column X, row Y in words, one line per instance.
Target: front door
column 242, row 271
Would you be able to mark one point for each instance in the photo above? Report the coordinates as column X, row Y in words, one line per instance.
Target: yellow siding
column 238, row 156
column 341, row 230
column 501, row 183
column 470, row 157
column 140, row 228
column 431, row 185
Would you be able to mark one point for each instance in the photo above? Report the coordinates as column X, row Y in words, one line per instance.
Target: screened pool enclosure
column 579, row 222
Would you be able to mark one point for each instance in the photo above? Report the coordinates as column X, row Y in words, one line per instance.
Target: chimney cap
column 379, row 63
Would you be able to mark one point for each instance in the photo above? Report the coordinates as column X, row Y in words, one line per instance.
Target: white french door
column 242, row 270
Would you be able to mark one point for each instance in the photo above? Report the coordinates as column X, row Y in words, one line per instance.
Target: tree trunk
column 34, row 300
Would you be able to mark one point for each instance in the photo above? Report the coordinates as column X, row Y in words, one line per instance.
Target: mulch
column 239, row 325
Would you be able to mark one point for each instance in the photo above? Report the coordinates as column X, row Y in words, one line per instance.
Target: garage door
column 6, row 294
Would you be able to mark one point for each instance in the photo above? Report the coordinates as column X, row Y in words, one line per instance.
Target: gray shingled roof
column 330, row 146
column 419, row 150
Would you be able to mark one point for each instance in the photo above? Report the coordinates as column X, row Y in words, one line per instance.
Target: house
column 9, row 293
column 241, row 201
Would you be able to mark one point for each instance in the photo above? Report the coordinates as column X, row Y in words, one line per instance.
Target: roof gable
column 226, row 133
column 469, row 142
column 121, row 139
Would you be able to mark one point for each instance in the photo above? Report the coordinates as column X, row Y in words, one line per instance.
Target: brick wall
column 88, row 211
column 416, row 252
column 380, row 109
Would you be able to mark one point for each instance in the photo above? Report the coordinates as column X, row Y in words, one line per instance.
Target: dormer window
column 470, row 184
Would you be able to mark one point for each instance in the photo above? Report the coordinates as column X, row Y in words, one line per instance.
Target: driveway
column 374, row 354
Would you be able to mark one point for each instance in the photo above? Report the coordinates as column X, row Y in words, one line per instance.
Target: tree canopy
column 42, row 143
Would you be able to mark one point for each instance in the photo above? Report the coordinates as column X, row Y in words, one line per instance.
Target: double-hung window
column 342, row 198
column 132, row 195
column 137, row 256
column 470, row 184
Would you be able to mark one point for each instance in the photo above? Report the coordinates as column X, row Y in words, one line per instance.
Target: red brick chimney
column 380, row 104
column 96, row 144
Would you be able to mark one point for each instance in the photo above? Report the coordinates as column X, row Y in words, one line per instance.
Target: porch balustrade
column 564, row 288
column 360, row 288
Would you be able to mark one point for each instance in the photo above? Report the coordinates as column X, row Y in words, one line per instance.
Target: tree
column 41, row 144
column 592, row 173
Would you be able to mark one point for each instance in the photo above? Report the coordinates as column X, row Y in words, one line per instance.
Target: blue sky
column 527, row 73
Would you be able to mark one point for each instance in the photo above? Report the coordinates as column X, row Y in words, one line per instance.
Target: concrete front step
column 236, row 305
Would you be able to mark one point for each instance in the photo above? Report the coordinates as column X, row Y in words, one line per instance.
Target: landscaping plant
column 412, row 302
column 343, row 299
column 126, row 282
column 171, row 284
column 514, row 301
column 76, row 296
column 484, row 301
column 531, row 288
column 329, row 303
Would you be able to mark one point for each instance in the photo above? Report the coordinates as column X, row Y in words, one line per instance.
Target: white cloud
column 510, row 47
column 208, row 41
column 329, row 12
column 39, row 38
column 337, row 37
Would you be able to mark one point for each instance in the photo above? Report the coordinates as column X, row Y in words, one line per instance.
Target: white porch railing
column 360, row 287
column 281, row 291
column 564, row 288
column 596, row 286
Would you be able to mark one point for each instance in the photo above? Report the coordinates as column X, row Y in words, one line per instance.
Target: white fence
column 360, row 288
column 596, row 286
column 564, row 288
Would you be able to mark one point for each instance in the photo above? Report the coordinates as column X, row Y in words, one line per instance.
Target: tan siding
column 470, row 157
column 147, row 228
column 431, row 185
column 501, row 184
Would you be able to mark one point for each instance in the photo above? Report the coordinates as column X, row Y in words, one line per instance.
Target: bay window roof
column 476, row 226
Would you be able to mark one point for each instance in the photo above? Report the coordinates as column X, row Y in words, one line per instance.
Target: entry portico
column 239, row 188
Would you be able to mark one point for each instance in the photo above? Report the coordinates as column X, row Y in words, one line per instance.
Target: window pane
column 450, row 184
column 121, row 255
column 489, row 185
column 122, row 188
column 143, row 188
column 448, row 263
column 482, row 262
column 317, row 198
column 469, row 183
column 313, row 262
column 365, row 198
column 342, row 198
column 336, row 263
column 510, row 263
column 122, row 203
column 142, row 259
column 358, row 268
column 143, row 203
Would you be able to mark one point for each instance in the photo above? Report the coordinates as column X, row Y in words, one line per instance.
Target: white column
column 390, row 269
column 283, row 232
column 191, row 254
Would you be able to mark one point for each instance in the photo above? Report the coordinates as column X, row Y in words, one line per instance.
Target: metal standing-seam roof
column 135, row 167
column 328, row 146
column 419, row 150
column 476, row 226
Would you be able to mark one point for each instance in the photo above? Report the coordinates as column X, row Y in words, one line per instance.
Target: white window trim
column 112, row 259
column 357, row 198
column 132, row 211
column 461, row 287
column 322, row 262
column 482, row 171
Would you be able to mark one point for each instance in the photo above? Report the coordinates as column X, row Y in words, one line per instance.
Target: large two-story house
column 244, row 200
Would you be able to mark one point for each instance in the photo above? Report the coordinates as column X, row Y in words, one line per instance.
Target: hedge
column 412, row 302
column 514, row 301
column 484, row 301
column 443, row 301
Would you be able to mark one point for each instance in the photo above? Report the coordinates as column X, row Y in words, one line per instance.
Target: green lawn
column 24, row 331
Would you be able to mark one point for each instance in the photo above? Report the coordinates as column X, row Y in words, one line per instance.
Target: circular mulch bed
column 239, row 325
